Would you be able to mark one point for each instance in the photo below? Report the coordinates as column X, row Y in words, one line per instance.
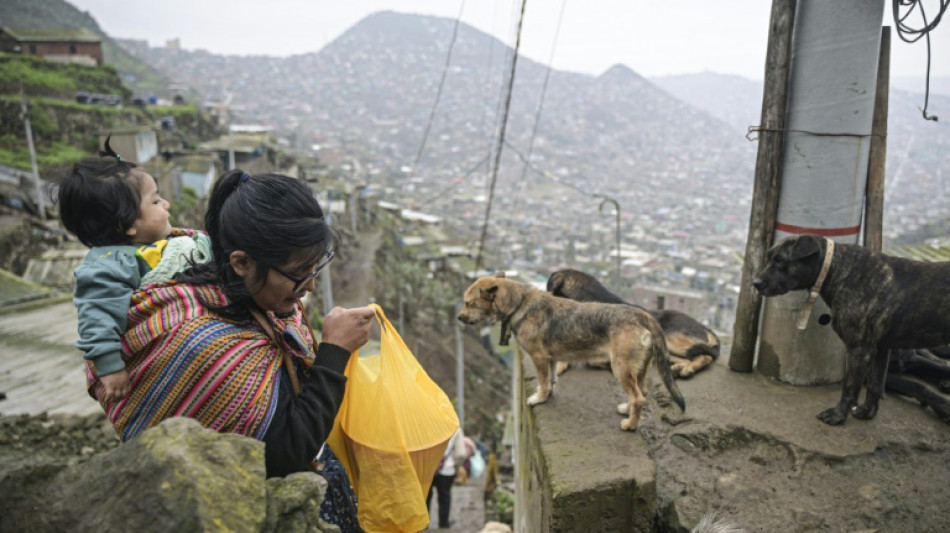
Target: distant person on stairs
column 455, row 454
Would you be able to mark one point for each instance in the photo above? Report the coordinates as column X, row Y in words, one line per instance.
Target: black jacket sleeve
column 302, row 423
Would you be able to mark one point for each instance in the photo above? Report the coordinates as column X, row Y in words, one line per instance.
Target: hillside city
column 681, row 177
column 432, row 179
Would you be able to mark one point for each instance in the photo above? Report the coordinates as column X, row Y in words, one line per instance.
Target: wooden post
column 768, row 180
column 874, row 196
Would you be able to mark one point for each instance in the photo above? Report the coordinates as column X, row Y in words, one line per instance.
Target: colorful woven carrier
column 185, row 360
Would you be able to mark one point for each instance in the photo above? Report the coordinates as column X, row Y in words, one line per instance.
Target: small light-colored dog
column 552, row 329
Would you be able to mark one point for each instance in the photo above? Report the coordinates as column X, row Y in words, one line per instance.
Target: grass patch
column 177, row 110
column 58, row 155
column 47, row 78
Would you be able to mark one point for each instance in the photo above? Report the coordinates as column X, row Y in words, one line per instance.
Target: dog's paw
column 623, row 408
column 865, row 411
column 536, row 398
column 832, row 417
column 628, row 424
column 561, row 367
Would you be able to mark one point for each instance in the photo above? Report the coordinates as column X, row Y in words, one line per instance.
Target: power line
column 910, row 34
column 546, row 175
column 438, row 94
column 501, row 138
column 500, row 103
column 537, row 113
column 458, row 181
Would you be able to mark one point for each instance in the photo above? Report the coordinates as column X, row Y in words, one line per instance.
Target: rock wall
column 576, row 469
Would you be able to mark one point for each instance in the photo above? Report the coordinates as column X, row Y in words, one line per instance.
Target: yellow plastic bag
column 390, row 434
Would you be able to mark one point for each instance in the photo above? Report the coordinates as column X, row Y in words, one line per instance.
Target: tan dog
column 552, row 329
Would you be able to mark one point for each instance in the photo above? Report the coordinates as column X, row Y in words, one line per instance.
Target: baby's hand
column 115, row 386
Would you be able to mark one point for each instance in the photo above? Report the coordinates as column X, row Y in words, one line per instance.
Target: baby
column 115, row 209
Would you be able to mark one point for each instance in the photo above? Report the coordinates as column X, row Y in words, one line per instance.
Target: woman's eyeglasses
column 301, row 281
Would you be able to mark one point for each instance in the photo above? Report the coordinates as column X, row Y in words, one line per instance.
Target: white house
column 199, row 173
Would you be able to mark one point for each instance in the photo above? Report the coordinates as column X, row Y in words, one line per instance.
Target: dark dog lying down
column 922, row 374
column 692, row 346
column 878, row 303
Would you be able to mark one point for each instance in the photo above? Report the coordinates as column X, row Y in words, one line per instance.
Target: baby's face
column 152, row 224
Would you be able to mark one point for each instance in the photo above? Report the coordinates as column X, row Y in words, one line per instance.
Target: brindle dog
column 692, row 346
column 922, row 374
column 877, row 302
column 554, row 329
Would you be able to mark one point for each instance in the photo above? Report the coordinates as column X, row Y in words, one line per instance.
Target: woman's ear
column 242, row 263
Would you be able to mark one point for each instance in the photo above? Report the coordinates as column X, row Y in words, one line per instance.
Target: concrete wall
column 573, row 471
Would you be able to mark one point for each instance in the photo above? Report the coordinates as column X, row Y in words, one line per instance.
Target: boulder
column 177, row 476
column 293, row 504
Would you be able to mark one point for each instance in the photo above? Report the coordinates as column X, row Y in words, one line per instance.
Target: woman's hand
column 348, row 328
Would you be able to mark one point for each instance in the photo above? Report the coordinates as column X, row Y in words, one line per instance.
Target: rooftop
column 43, row 35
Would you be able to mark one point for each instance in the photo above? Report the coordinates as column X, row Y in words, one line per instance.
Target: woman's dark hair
column 271, row 217
column 99, row 199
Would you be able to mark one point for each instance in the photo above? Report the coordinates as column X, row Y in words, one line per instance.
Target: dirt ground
column 753, row 451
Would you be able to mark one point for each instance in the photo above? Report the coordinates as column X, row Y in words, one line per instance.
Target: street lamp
column 600, row 209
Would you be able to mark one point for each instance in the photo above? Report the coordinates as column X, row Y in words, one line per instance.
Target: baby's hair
column 99, row 199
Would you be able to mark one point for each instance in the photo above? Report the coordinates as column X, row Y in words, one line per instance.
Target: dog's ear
column 489, row 292
column 554, row 282
column 500, row 274
column 805, row 246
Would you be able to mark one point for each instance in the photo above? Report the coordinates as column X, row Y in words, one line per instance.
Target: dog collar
column 505, row 332
column 816, row 289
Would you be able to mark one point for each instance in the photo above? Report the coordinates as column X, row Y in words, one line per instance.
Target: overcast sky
column 652, row 38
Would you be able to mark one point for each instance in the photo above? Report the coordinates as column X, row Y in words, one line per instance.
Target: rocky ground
column 753, row 451
column 64, row 439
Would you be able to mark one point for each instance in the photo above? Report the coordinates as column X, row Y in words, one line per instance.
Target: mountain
column 372, row 89
column 733, row 99
column 60, row 14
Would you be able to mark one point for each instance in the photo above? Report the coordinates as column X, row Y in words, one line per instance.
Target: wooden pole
column 768, row 180
column 874, row 197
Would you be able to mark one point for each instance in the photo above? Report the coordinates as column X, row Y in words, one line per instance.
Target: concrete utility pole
column 37, row 184
column 831, row 106
column 460, row 368
column 327, row 281
column 600, row 209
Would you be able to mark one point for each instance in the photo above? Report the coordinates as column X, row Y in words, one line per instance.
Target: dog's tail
column 702, row 349
column 662, row 357
column 710, row 347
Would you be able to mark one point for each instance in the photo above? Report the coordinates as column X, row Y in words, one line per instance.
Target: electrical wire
column 501, row 138
column 547, row 175
column 438, row 94
column 441, row 195
column 537, row 113
column 910, row 34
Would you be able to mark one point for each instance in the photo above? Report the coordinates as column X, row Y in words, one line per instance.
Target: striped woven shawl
column 185, row 360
